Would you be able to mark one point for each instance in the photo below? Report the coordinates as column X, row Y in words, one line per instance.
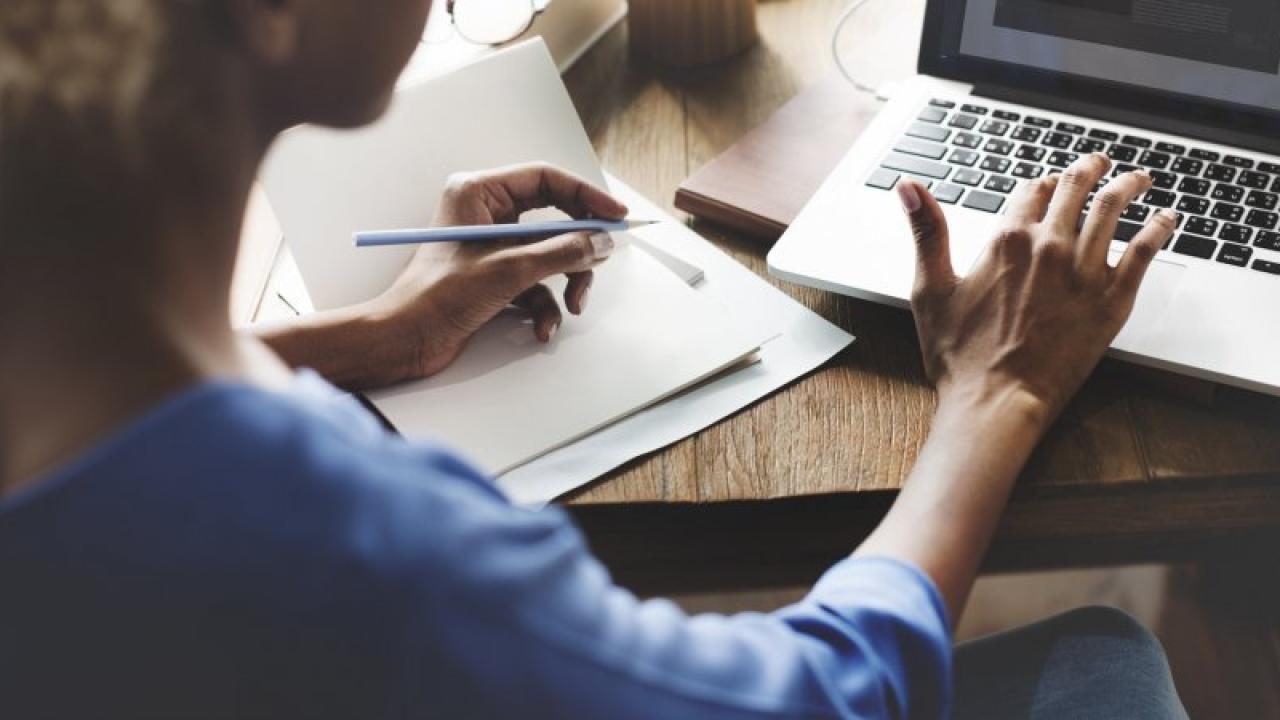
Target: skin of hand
column 448, row 291
column 1007, row 347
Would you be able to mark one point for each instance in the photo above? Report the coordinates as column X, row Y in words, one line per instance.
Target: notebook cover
column 760, row 184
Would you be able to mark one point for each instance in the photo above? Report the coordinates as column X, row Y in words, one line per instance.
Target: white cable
column 848, row 14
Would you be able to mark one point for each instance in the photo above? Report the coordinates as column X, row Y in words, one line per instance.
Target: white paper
column 807, row 341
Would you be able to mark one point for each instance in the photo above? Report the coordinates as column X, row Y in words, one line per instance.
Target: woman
column 189, row 528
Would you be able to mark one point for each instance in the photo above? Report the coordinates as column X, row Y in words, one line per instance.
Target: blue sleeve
column 512, row 616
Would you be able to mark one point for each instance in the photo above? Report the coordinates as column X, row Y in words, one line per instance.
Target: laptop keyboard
column 975, row 155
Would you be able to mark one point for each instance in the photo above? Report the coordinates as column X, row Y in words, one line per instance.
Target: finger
column 543, row 308
column 1142, row 250
column 560, row 255
column 577, row 291
column 513, row 190
column 1073, row 191
column 1100, row 225
column 929, row 228
column 1031, row 202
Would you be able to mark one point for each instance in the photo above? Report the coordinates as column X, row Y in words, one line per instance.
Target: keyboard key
column 1221, row 173
column 1266, row 267
column 1237, row 161
column 968, row 177
column 948, row 193
column 986, row 202
column 1260, row 199
column 1202, row 226
column 1026, row 134
column 1058, row 140
column 1038, row 121
column 883, row 179
column 1255, row 180
column 1228, row 212
column 995, row 127
column 1275, row 186
column 1027, row 171
column 925, row 131
column 1085, row 145
column 1193, row 205
column 1163, row 180
column 923, row 148
column 1236, row 233
column 1187, row 166
column 974, row 109
column 1104, row 135
column 916, row 166
column 1267, row 240
column 1006, row 115
column 1119, row 169
column 1031, row 153
column 1194, row 186
column 945, row 104
column 1159, row 198
column 1230, row 193
column 1261, row 219
column 1000, row 184
column 1267, row 167
column 1207, row 155
column 932, row 115
column 1171, row 148
column 1136, row 141
column 1156, row 160
column 1195, row 246
column 1237, row 255
column 1136, row 213
column 999, row 147
column 1071, row 128
column 964, row 122
column 967, row 140
column 1122, row 153
column 967, row 158
column 1126, row 231
column 995, row 164
column 1062, row 159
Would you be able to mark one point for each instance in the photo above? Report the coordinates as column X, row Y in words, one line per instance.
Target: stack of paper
column 507, row 399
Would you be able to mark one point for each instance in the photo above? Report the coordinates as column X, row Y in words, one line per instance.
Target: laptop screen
column 1222, row 50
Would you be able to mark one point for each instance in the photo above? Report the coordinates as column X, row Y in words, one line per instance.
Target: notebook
column 507, row 399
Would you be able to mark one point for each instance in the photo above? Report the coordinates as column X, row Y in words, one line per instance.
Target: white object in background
column 807, row 341
column 507, row 399
column 569, row 27
column 260, row 241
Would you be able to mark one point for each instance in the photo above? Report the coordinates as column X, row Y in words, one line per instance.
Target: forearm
column 944, row 519
column 349, row 347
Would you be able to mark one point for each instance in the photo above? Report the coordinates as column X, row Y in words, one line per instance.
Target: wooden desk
column 777, row 493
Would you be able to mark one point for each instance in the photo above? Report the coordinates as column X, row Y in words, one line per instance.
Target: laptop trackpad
column 1154, row 300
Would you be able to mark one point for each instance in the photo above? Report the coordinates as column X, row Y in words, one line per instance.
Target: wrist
column 1000, row 404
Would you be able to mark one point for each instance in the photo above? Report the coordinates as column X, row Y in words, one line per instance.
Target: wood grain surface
column 1140, row 466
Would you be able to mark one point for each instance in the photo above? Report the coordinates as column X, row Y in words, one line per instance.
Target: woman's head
column 278, row 62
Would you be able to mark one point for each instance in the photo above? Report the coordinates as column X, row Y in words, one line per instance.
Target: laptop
column 1010, row 90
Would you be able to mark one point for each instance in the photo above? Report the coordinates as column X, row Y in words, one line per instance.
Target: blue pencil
column 479, row 233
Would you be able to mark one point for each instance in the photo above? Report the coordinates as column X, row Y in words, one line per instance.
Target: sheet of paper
column 807, row 341
column 506, row 399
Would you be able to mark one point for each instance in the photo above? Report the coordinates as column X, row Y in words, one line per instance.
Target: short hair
column 77, row 57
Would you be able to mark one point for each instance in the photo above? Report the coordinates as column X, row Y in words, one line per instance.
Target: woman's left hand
column 450, row 290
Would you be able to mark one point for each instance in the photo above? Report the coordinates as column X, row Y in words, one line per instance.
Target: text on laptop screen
column 1225, row 50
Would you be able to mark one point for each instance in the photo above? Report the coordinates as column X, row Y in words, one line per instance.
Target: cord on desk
column 879, row 93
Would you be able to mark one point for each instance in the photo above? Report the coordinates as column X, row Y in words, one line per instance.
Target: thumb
column 559, row 255
column 929, row 228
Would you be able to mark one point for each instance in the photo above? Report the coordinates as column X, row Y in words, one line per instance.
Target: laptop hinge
column 1150, row 121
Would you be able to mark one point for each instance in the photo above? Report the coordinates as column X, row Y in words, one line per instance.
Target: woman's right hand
column 1036, row 313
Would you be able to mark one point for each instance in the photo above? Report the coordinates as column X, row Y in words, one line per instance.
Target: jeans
column 1089, row 663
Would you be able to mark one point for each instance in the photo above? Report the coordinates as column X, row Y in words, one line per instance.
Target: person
column 192, row 526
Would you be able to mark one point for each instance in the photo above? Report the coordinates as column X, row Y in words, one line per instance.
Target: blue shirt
column 244, row 553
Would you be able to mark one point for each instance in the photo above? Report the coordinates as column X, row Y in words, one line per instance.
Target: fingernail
column 1171, row 215
column 602, row 245
column 909, row 195
column 551, row 334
